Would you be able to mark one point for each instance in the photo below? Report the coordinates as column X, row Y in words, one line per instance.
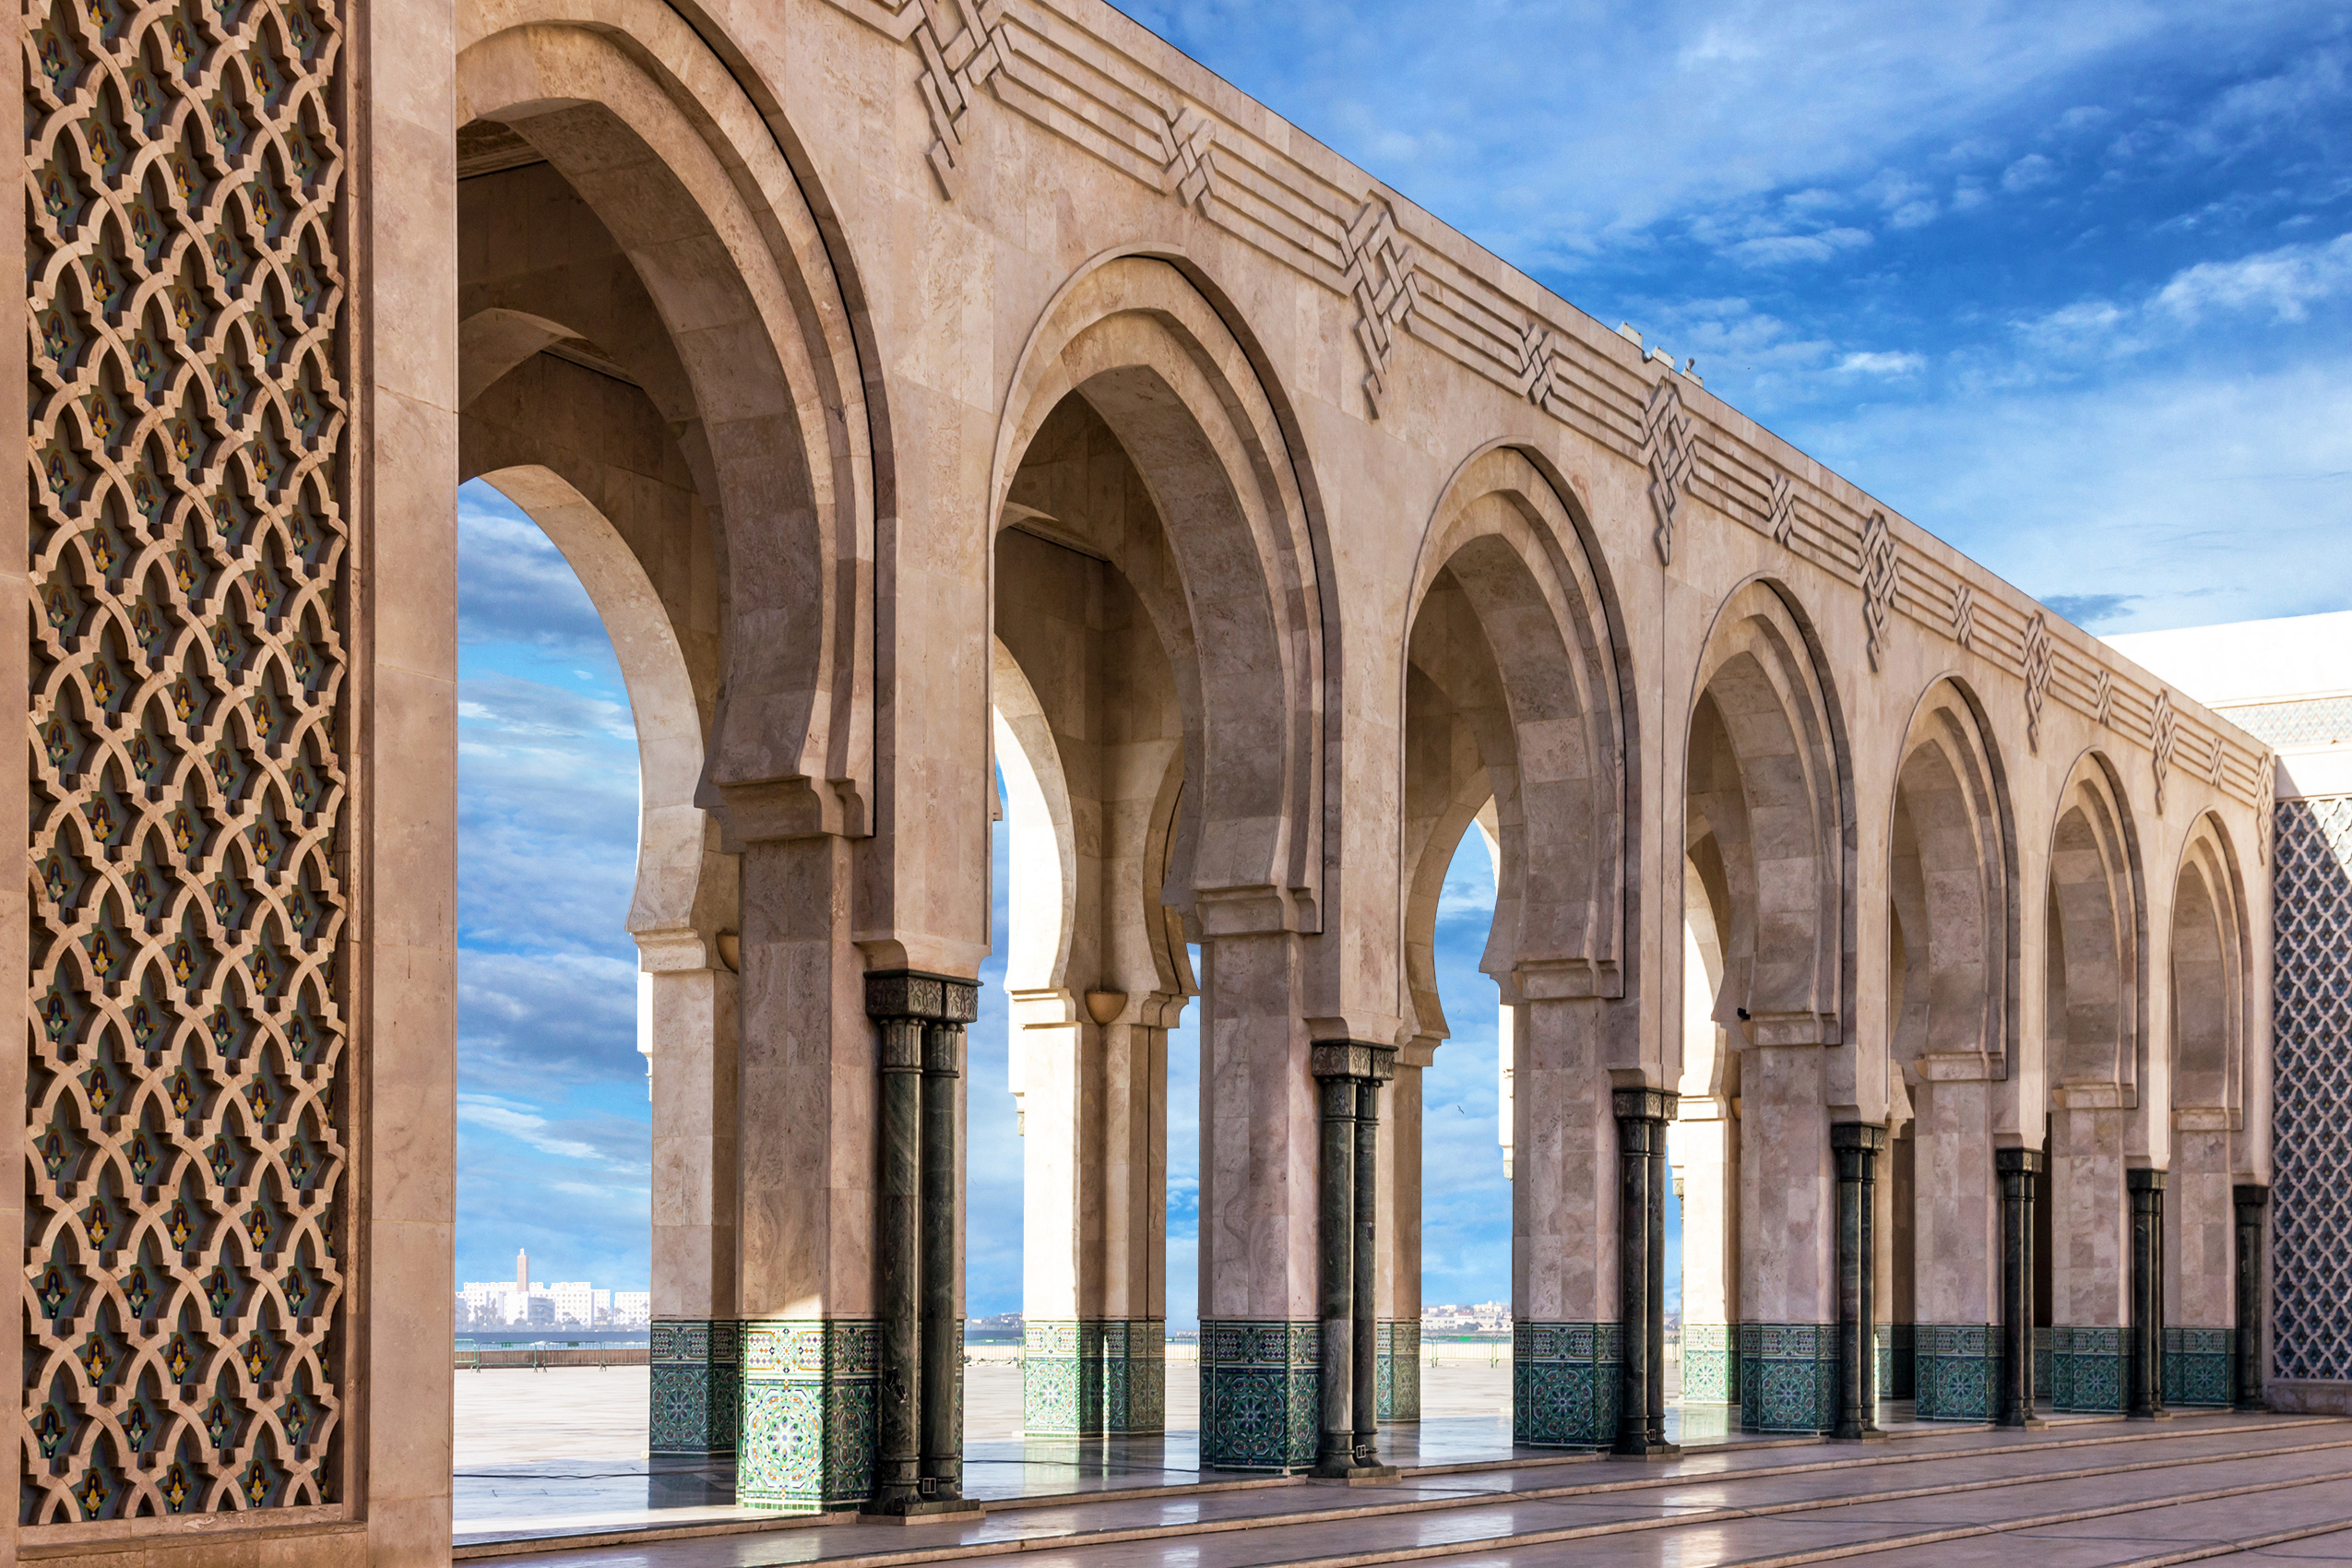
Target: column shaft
column 2018, row 1169
column 898, row 1468
column 1335, row 1301
column 2249, row 1202
column 1641, row 1268
column 2146, row 1188
column 943, row 1328
column 1364, row 1391
column 1856, row 1145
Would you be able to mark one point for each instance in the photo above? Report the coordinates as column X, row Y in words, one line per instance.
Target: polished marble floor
column 2089, row 1494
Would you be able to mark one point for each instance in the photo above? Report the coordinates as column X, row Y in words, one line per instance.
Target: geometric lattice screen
column 2313, row 721
column 2311, row 1181
column 183, row 1283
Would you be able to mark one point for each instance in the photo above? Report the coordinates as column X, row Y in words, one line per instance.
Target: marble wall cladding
column 1710, row 1363
column 2086, row 1371
column 807, row 1428
column 1094, row 1377
column 1956, row 1371
column 1788, row 1376
column 1564, row 1383
column 1259, row 1394
column 697, row 1387
column 1400, row 1370
column 2200, row 1366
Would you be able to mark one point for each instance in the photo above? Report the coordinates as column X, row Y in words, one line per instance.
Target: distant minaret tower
column 522, row 1272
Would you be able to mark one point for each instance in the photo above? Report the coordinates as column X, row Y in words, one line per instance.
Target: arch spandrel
column 1154, row 360
column 653, row 134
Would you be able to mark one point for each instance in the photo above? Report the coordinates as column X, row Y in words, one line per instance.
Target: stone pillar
column 1856, row 1147
column 1957, row 1243
column 807, row 1128
column 2250, row 1201
column 1642, row 1115
column 1259, row 1369
column 1706, row 1146
column 1788, row 1296
column 1567, row 1349
column 696, row 1373
column 2090, row 1263
column 2019, row 1170
column 2146, row 1188
column 918, row 1436
column 1400, row 1238
column 2200, row 1353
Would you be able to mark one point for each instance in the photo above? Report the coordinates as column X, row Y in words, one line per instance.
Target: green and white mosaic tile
column 1260, row 1388
column 1565, row 1383
column 808, row 1414
column 1788, row 1376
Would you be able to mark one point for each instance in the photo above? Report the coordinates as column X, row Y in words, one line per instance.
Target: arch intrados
column 654, row 136
column 2209, row 939
column 672, row 831
column 1951, row 790
column 2096, row 894
column 1142, row 342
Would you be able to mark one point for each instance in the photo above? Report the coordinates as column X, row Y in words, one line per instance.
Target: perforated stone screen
column 185, row 1280
column 2312, row 1012
column 2316, row 721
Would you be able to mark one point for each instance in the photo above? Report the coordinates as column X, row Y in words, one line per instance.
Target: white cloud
column 2029, row 172
column 1772, row 250
column 2285, row 282
column 521, row 1123
column 1870, row 363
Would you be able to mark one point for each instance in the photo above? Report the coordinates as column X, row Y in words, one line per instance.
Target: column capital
column 2249, row 1194
column 1352, row 1058
column 2020, row 1161
column 1642, row 1104
column 911, row 993
column 2143, row 1179
column 1868, row 1136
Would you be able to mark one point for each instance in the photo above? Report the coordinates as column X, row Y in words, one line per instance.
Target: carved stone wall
column 185, row 1280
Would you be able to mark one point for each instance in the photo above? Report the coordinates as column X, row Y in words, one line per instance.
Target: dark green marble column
column 918, row 1241
column 1642, row 1176
column 2018, row 1169
column 2250, row 1203
column 1856, row 1145
column 2145, row 1371
column 1336, row 1264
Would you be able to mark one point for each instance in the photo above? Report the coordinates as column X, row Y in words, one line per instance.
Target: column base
column 693, row 1404
column 1094, row 1377
column 1564, row 1383
column 2201, row 1367
column 923, row 1510
column 2086, row 1371
column 1261, row 1394
column 1354, row 1475
column 1710, row 1363
column 1400, row 1369
column 1956, row 1371
column 1646, row 1450
column 1788, row 1377
column 807, row 1421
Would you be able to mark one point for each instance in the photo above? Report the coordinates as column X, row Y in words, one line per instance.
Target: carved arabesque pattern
column 183, row 1285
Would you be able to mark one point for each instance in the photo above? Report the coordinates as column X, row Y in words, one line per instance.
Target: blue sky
column 2068, row 285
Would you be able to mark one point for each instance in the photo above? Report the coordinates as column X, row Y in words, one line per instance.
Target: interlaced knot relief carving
column 1882, row 574
column 1535, row 362
column 2164, row 734
column 2266, row 814
column 958, row 61
column 1186, row 140
column 2036, row 670
column 1668, row 450
column 1783, row 521
column 2103, row 696
column 1963, row 615
column 184, row 1279
column 1379, row 273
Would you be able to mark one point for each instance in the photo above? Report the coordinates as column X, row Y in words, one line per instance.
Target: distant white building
column 632, row 1309
column 574, row 1301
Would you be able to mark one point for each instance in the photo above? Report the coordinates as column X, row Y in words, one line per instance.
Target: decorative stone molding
column 2103, row 697
column 1191, row 175
column 2035, row 670
column 186, row 1216
column 1963, row 615
column 1781, row 523
column 1667, row 452
column 955, row 68
column 1881, row 575
column 2163, row 729
column 1379, row 273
